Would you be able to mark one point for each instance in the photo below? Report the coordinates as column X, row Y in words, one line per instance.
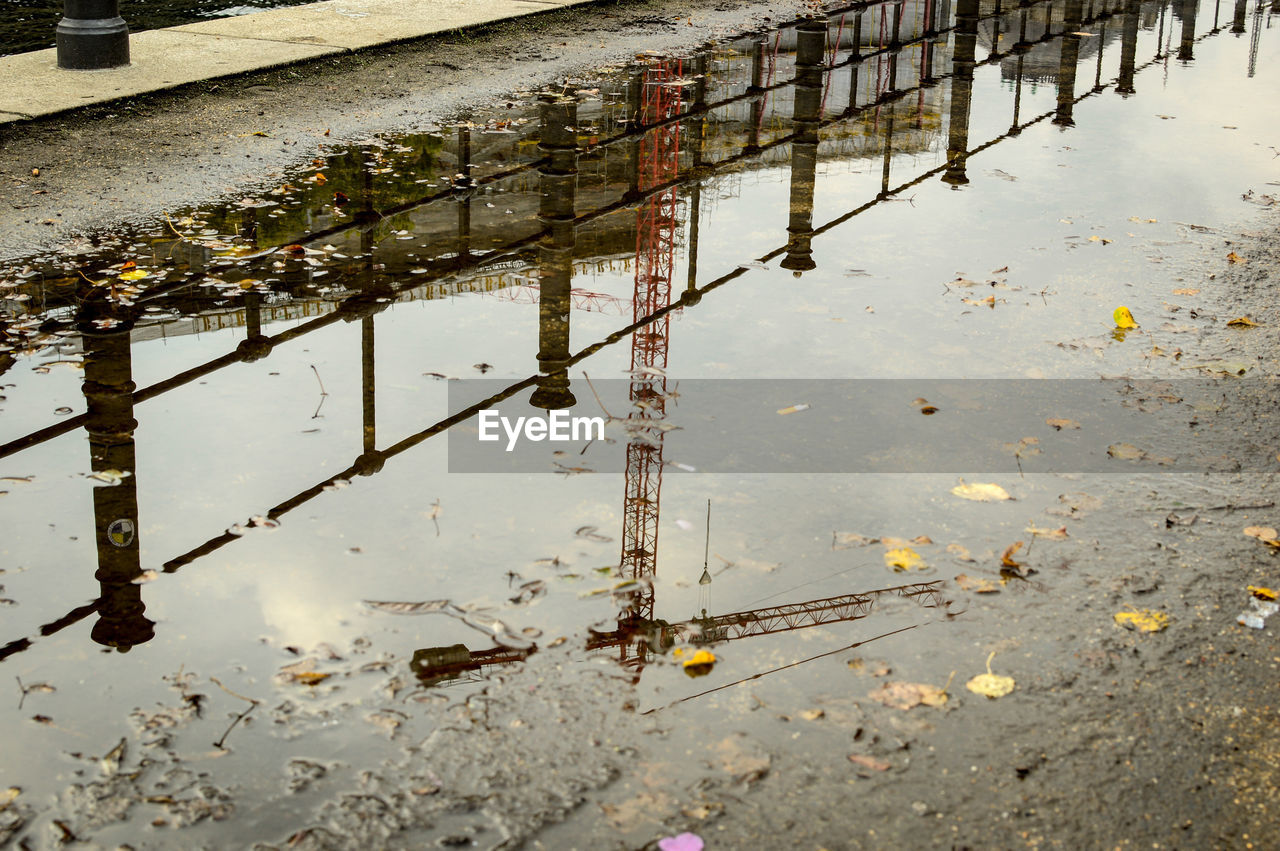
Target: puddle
column 224, row 439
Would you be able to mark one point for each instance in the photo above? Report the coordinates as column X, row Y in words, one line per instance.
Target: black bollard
column 92, row 35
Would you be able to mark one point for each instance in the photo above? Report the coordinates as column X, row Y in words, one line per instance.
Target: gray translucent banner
column 956, row 426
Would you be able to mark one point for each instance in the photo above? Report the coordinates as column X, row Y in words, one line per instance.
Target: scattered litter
column 1256, row 615
column 682, row 842
column 1059, row 423
column 793, row 409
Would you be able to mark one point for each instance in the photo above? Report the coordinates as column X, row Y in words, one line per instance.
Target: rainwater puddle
column 227, row 476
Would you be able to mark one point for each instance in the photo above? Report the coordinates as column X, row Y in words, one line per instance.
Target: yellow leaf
column 1006, row 558
column 989, row 684
column 1235, row 258
column 1143, row 620
column 1238, row 322
column 1059, row 423
column 700, row 664
column 1262, row 593
column 1123, row 318
column 903, row 558
column 1186, row 291
column 980, row 492
column 133, row 275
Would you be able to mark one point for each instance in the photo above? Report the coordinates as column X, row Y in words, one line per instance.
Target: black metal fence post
column 92, row 35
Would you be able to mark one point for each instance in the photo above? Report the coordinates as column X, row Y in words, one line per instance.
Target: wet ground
column 32, row 24
column 256, row 593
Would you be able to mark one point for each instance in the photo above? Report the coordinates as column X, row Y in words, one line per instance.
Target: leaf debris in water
column 398, row 608
column 980, row 492
column 989, row 684
column 1143, row 620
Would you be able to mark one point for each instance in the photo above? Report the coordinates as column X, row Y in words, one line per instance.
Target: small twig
column 219, row 684
column 598, row 400
column 23, row 688
column 253, row 704
column 323, row 392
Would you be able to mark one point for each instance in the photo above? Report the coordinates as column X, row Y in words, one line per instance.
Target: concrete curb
column 32, row 86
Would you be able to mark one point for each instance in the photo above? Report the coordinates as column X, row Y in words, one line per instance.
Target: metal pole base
column 93, row 43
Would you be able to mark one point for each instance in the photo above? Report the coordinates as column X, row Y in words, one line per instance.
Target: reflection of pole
column 557, row 177
column 966, row 40
column 1068, row 56
column 1128, row 48
column 757, row 102
column 1237, row 23
column 1254, row 38
column 1187, row 45
column 108, row 391
column 698, row 126
column 810, row 43
column 367, row 395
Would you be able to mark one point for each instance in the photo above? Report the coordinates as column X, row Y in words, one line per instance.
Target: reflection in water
column 110, row 424
column 557, row 180
column 417, row 220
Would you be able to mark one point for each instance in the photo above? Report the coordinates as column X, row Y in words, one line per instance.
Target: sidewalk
column 32, row 86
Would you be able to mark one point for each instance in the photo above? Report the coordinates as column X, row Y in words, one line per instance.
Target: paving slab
column 32, row 84
column 358, row 24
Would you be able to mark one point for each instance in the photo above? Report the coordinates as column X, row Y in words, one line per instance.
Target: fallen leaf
column 1232, row 257
column 869, row 762
column 989, row 684
column 899, row 695
column 989, row 301
column 976, row 584
column 1059, row 534
column 1266, row 534
column 1123, row 318
column 1125, row 452
column 1262, row 593
column 398, row 608
column 1186, row 291
column 1242, row 322
column 302, row 672
column 133, row 275
column 903, row 558
column 1103, row 240
column 812, row 714
column 1143, row 620
column 1059, row 423
column 980, row 492
column 1006, row 558
column 847, row 540
column 960, row 551
column 699, row 664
